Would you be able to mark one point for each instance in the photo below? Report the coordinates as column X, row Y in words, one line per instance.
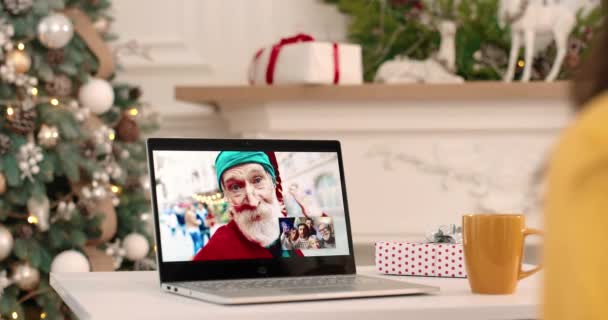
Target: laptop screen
column 235, row 205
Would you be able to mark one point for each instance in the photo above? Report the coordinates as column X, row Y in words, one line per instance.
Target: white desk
column 137, row 295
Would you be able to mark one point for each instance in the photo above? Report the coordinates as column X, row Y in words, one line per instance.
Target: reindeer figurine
column 447, row 48
column 527, row 19
column 437, row 69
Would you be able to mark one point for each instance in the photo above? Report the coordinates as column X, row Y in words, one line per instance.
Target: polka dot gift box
column 420, row 259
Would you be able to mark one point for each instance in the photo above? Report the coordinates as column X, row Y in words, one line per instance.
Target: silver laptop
column 256, row 221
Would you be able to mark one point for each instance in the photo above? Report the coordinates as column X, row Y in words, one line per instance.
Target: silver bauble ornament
column 6, row 242
column 55, row 31
column 48, row 136
column 70, row 261
column 136, row 246
column 25, row 276
column 20, row 61
column 97, row 95
column 39, row 208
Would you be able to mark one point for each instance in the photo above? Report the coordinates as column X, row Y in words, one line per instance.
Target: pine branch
column 15, row 215
column 383, row 51
column 33, row 294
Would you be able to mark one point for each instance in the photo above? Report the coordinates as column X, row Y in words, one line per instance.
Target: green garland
column 388, row 28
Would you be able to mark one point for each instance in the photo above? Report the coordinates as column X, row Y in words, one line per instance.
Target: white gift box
column 308, row 62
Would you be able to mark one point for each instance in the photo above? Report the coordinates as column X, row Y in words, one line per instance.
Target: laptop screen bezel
column 258, row 268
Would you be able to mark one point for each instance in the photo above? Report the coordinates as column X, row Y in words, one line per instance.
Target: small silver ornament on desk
column 445, row 234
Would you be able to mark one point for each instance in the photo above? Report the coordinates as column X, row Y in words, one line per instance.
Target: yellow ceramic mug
column 493, row 250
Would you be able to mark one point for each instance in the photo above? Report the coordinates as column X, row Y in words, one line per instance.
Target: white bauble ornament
column 96, row 95
column 55, row 31
column 39, row 208
column 25, row 276
column 70, row 261
column 136, row 246
column 6, row 242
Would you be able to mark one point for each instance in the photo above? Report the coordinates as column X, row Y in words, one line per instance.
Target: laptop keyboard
column 279, row 283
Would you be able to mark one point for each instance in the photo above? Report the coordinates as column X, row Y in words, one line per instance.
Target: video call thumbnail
column 307, row 233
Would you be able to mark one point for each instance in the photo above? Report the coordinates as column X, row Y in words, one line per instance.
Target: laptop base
column 361, row 286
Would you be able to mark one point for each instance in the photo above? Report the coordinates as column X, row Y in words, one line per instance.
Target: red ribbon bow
column 276, row 49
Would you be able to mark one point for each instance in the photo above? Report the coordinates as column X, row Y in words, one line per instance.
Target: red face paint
column 243, row 206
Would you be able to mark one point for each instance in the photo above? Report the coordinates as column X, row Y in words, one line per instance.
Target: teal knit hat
column 228, row 159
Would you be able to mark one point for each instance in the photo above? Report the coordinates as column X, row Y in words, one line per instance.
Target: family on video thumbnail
column 307, row 233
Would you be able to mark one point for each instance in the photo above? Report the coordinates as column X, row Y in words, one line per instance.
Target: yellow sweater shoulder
column 584, row 143
column 576, row 219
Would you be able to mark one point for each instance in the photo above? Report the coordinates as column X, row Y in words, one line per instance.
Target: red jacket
column 229, row 243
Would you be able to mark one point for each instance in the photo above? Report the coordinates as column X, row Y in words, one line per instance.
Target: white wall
column 411, row 166
column 209, row 42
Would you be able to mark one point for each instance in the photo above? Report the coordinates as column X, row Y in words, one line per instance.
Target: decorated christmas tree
column 73, row 185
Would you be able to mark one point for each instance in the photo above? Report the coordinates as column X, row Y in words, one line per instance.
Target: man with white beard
column 248, row 181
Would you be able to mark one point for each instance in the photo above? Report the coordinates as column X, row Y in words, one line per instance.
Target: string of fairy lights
column 214, row 199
